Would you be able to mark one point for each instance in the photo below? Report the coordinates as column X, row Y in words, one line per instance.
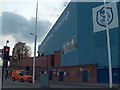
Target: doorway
column 85, row 76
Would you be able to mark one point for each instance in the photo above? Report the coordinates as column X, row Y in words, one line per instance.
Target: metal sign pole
column 108, row 45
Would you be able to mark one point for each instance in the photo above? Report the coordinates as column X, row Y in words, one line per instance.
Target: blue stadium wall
column 76, row 20
column 93, row 46
column 64, row 29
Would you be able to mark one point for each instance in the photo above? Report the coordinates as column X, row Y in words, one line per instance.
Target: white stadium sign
column 99, row 20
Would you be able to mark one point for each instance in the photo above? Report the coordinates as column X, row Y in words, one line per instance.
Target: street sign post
column 105, row 17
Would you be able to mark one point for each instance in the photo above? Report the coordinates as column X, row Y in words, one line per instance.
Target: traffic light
column 6, row 51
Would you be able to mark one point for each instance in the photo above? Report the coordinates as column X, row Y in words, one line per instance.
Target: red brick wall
column 74, row 73
column 49, row 60
column 55, row 77
column 26, row 62
column 43, row 61
column 29, row 62
column 57, row 57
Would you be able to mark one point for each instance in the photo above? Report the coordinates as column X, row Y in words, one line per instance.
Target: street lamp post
column 35, row 37
column 34, row 58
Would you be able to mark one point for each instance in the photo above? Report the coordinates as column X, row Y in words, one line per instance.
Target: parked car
column 21, row 75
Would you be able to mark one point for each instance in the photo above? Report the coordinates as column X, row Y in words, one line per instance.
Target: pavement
column 80, row 85
column 17, row 84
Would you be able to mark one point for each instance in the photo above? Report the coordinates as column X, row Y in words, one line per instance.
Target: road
column 17, row 84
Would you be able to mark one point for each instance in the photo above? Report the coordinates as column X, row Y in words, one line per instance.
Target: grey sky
column 20, row 28
column 17, row 20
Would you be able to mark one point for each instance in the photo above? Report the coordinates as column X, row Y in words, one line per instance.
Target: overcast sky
column 17, row 20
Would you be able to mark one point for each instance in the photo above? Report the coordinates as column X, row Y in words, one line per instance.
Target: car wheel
column 22, row 80
column 13, row 79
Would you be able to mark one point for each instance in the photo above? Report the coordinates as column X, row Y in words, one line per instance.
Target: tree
column 20, row 51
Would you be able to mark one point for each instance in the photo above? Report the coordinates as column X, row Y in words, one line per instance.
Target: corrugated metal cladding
column 73, row 35
column 93, row 46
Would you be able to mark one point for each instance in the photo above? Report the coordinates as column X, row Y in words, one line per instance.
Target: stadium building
column 75, row 49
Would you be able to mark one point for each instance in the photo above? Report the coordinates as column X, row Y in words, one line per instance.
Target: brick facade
column 57, row 57
column 52, row 62
column 75, row 73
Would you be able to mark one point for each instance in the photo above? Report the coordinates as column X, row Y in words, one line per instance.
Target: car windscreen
column 23, row 72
